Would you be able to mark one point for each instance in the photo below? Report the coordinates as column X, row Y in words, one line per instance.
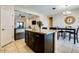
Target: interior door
column 50, row 21
column 7, row 24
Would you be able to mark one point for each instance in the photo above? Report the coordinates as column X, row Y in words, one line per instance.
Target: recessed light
column 67, row 5
column 53, row 8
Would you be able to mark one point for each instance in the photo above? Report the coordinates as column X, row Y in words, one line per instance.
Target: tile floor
column 17, row 46
column 66, row 46
column 61, row 46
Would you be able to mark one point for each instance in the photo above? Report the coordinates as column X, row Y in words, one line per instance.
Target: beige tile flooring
column 61, row 46
column 17, row 46
column 66, row 46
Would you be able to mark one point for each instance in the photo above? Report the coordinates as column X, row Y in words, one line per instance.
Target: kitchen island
column 40, row 42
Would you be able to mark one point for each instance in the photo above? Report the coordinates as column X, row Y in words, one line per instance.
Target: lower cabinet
column 36, row 41
column 20, row 35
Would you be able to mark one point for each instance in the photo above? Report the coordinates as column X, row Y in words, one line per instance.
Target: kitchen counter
column 42, row 31
column 40, row 42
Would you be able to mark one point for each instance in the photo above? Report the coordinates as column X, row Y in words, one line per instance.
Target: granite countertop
column 20, row 30
column 42, row 31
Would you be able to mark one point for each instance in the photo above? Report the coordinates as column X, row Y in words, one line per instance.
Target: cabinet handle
column 37, row 35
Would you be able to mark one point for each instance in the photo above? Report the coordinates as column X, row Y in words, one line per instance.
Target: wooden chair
column 76, row 34
column 52, row 28
column 67, row 32
column 60, row 33
column 63, row 33
column 44, row 27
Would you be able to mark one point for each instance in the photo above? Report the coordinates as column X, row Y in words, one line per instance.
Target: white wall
column 59, row 19
column 0, row 26
column 44, row 19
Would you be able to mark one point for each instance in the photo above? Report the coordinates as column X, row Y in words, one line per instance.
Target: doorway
column 50, row 21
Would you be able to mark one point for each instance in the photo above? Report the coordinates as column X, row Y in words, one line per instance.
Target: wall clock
column 69, row 20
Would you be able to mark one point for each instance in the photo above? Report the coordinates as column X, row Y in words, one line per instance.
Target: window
column 19, row 25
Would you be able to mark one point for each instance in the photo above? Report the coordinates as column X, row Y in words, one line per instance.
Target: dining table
column 68, row 29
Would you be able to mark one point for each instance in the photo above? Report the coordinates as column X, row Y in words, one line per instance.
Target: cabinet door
column 38, row 43
column 49, row 43
column 31, row 40
column 27, row 37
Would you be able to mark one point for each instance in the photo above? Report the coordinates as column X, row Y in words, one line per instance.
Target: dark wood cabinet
column 20, row 35
column 27, row 37
column 36, row 41
column 31, row 40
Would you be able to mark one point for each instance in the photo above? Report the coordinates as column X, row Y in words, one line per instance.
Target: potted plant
column 39, row 23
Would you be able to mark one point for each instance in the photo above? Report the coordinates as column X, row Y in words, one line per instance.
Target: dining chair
column 72, row 33
column 52, row 28
column 67, row 32
column 63, row 33
column 60, row 33
column 44, row 27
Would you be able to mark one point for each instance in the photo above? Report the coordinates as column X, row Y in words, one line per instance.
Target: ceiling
column 47, row 9
column 20, row 13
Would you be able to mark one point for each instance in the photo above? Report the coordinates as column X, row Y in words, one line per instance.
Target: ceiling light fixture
column 67, row 12
column 67, row 5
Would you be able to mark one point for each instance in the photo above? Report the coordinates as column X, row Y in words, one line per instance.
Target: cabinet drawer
column 38, row 36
